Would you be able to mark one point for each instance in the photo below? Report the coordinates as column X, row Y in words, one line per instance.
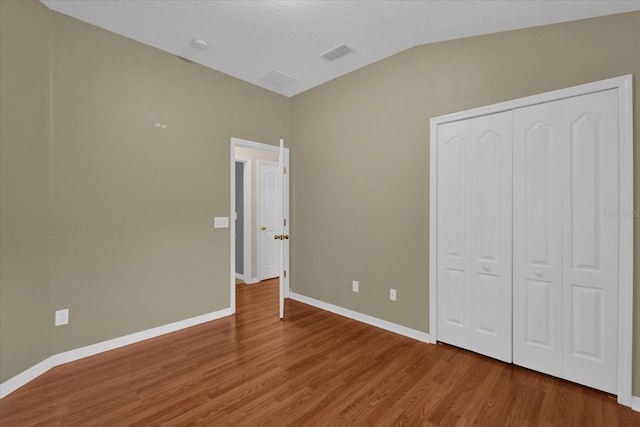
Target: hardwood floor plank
column 313, row 368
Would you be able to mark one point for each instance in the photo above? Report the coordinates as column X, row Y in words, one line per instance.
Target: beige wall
column 132, row 205
column 25, row 314
column 360, row 154
column 255, row 155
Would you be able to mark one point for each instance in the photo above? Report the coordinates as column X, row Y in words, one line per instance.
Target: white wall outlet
column 355, row 286
column 62, row 317
column 221, row 222
column 392, row 294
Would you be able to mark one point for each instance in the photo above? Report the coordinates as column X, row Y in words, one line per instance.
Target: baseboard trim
column 635, row 403
column 14, row 383
column 90, row 350
column 35, row 371
column 252, row 281
column 364, row 318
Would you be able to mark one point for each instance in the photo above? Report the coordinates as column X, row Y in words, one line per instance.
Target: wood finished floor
column 312, row 369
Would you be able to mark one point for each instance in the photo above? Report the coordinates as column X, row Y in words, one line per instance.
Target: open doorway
column 257, row 258
column 256, row 213
column 242, row 219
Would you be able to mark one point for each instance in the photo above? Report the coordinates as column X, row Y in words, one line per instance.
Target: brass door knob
column 264, row 227
column 277, row 237
column 286, row 236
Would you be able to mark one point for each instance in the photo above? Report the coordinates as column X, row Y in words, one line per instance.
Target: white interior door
column 474, row 234
column 269, row 212
column 283, row 220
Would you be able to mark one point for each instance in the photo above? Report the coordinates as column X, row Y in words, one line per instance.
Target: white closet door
column 491, row 235
column 537, row 239
column 566, row 238
column 474, row 234
column 590, row 240
column 454, row 237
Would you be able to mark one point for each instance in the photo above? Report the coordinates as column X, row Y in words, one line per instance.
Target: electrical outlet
column 355, row 286
column 221, row 222
column 392, row 294
column 62, row 317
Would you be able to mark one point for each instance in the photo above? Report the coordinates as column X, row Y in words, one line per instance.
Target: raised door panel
column 453, row 238
column 491, row 235
column 455, row 205
column 590, row 239
column 537, row 262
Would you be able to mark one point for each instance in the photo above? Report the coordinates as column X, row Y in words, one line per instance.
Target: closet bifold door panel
column 590, row 240
column 474, row 239
column 537, row 250
column 454, row 235
column 565, row 252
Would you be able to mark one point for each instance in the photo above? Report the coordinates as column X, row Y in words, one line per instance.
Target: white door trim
column 287, row 226
column 237, row 142
column 624, row 86
column 246, row 195
column 283, row 226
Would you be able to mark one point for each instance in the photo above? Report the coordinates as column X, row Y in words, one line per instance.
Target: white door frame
column 237, row 142
column 287, row 226
column 624, row 86
column 247, row 273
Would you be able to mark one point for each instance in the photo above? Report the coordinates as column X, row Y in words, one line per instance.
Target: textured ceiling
column 252, row 39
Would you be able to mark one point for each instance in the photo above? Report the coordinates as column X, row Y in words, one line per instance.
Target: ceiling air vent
column 276, row 78
column 337, row 52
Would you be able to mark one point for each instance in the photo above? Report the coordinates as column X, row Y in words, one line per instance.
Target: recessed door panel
column 487, row 304
column 536, row 167
column 585, row 206
column 488, row 195
column 538, row 312
column 455, row 197
column 587, row 323
column 454, row 307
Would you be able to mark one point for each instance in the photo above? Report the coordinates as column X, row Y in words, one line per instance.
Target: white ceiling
column 250, row 39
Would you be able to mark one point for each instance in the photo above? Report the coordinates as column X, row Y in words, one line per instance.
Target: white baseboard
column 12, row 384
column 635, row 403
column 24, row 377
column 364, row 318
column 252, row 281
column 240, row 276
